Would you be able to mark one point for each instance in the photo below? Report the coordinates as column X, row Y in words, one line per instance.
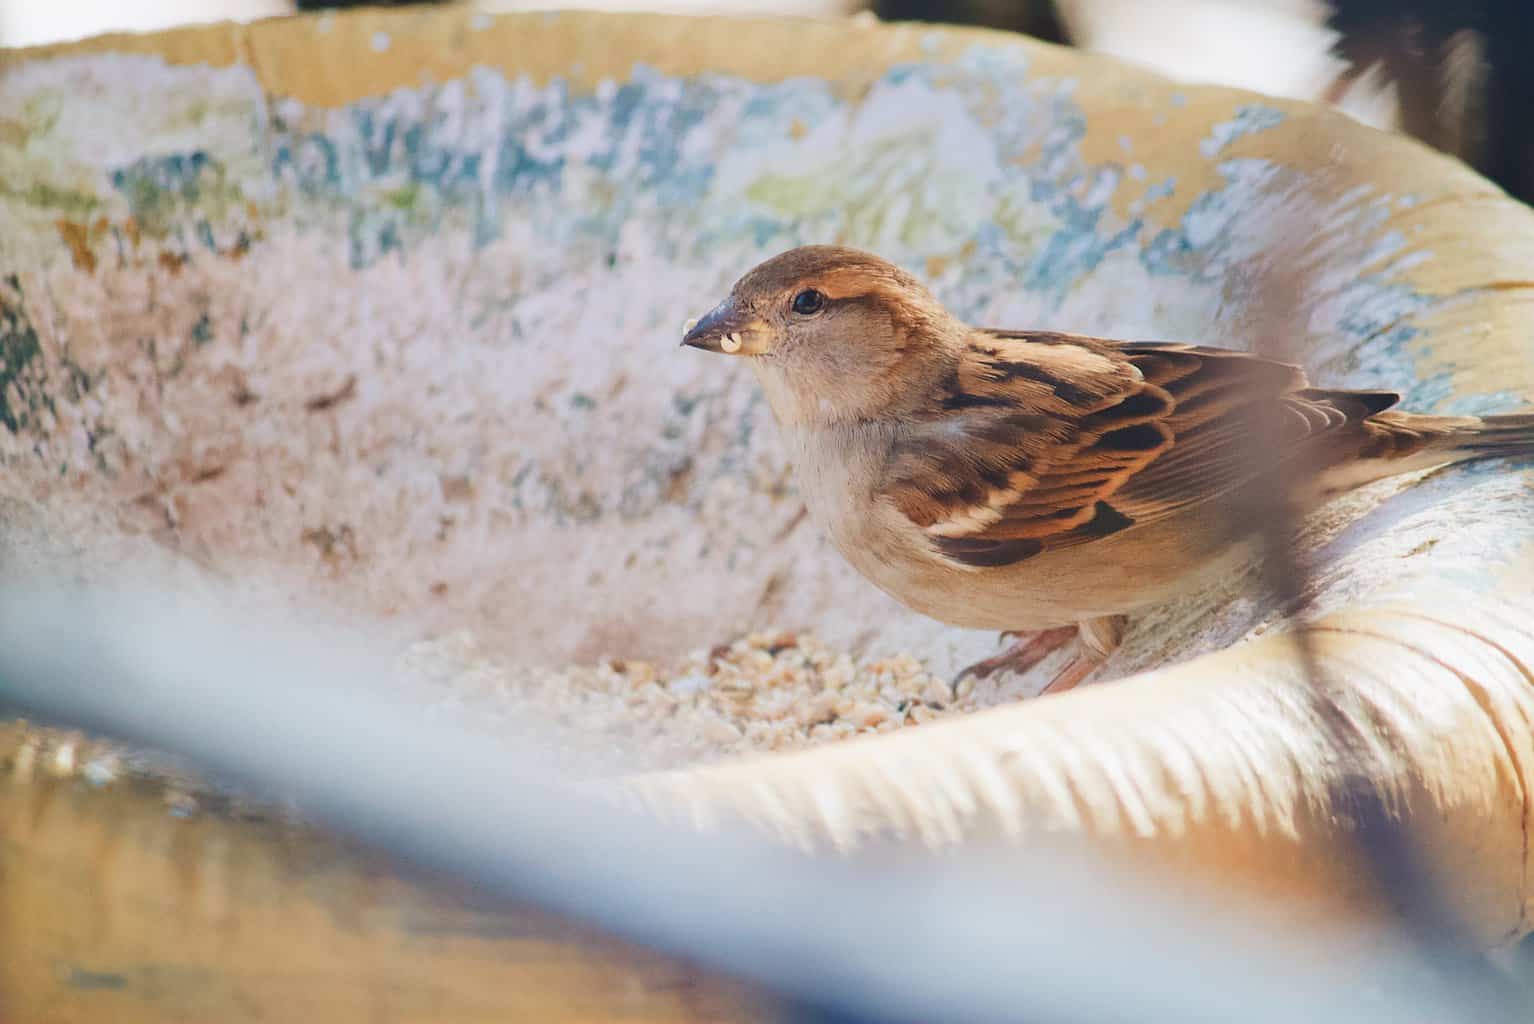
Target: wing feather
column 1044, row 440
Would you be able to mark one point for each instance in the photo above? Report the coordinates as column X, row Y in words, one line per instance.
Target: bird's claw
column 1020, row 657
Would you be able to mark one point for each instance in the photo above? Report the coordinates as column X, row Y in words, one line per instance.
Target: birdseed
column 771, row 690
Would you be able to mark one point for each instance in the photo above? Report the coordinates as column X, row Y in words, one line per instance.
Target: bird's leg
column 1021, row 656
column 1099, row 639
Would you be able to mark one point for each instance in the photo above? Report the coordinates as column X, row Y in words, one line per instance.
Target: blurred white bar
column 1279, row 47
column 790, row 8
column 304, row 712
column 34, row 22
column 1232, row 43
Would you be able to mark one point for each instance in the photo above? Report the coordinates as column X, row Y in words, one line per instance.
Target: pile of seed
column 767, row 691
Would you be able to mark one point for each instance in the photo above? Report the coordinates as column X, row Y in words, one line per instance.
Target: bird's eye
column 809, row 302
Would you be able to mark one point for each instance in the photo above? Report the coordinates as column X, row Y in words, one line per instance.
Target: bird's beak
column 728, row 329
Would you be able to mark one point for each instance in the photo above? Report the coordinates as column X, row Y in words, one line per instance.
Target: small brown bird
column 1033, row 481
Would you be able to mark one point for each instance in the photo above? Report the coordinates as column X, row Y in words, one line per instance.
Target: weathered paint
column 501, row 262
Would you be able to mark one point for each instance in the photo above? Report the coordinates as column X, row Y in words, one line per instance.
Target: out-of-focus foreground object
column 1037, row 18
column 379, row 310
column 1279, row 47
column 1461, row 73
column 31, row 22
column 270, row 922
column 1456, row 76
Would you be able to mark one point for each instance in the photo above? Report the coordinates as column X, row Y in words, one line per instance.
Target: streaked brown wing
column 1041, row 440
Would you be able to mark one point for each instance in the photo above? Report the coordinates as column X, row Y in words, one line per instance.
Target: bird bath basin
column 380, row 312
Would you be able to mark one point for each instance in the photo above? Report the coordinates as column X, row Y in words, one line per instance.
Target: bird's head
column 833, row 333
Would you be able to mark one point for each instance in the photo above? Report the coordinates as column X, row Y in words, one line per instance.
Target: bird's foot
column 1075, row 671
column 1099, row 639
column 1027, row 652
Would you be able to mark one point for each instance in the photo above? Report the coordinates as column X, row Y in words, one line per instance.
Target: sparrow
column 1038, row 482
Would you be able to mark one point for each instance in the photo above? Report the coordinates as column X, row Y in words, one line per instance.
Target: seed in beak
column 689, row 325
column 730, row 343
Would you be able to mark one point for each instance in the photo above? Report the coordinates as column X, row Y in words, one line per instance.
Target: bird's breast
column 840, row 475
column 840, row 481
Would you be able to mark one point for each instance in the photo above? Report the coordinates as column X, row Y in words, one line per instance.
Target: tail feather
column 1510, row 434
column 1402, row 442
column 1414, row 437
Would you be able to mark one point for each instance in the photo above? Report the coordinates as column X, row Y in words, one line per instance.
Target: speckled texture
column 415, row 352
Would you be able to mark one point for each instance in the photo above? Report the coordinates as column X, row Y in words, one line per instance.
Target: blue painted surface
column 578, row 166
column 976, row 163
